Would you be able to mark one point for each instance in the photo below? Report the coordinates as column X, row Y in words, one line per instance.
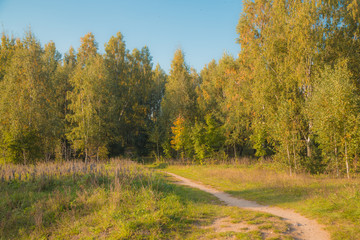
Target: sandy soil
column 226, row 224
column 302, row 227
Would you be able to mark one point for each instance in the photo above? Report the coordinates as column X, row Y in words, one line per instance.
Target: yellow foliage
column 177, row 130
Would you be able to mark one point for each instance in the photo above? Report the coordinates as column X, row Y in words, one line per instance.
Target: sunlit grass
column 114, row 200
column 118, row 200
column 333, row 202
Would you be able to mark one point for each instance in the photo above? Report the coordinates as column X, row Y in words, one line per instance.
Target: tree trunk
column 355, row 162
column 347, row 162
column 336, row 160
column 84, row 122
column 157, row 149
column 289, row 159
column 24, row 156
column 235, row 156
column 241, row 151
column 308, row 147
column 294, row 153
column 295, row 164
column 47, row 156
column 65, row 151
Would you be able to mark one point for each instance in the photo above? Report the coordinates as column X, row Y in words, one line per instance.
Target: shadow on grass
column 20, row 201
column 279, row 195
column 185, row 193
column 158, row 166
column 262, row 195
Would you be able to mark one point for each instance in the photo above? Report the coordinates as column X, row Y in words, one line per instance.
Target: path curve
column 304, row 228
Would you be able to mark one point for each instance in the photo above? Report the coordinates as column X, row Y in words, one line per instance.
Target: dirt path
column 303, row 228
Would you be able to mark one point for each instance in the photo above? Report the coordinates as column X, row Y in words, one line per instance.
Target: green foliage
column 199, row 141
column 260, row 143
column 89, row 102
column 24, row 147
column 284, row 46
column 291, row 93
column 28, row 101
column 334, row 108
column 208, row 138
column 6, row 52
column 179, row 107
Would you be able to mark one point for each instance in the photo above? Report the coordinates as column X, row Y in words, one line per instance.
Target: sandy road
column 302, row 227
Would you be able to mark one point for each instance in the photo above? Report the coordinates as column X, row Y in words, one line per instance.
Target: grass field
column 335, row 203
column 117, row 200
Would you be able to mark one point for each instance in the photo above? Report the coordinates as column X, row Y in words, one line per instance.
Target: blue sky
column 203, row 29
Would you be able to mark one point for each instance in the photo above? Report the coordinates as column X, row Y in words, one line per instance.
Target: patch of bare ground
column 301, row 228
column 226, row 224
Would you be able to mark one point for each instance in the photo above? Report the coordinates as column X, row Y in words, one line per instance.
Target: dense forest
column 292, row 93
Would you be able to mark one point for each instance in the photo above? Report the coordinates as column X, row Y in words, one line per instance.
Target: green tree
column 117, row 64
column 179, row 97
column 334, row 109
column 53, row 121
column 208, row 138
column 89, row 102
column 6, row 52
column 63, row 87
column 280, row 52
column 25, row 103
column 156, row 130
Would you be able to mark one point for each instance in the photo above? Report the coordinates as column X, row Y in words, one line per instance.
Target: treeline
column 292, row 93
column 85, row 105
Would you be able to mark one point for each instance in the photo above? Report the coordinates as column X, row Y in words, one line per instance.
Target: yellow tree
column 180, row 136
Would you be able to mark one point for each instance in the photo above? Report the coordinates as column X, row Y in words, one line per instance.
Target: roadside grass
column 114, row 200
column 335, row 203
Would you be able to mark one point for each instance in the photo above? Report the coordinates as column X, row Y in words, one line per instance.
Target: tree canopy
column 292, row 94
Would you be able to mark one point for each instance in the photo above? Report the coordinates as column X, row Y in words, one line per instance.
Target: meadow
column 118, row 199
column 333, row 202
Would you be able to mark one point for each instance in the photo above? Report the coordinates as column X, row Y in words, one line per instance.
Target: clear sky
column 203, row 29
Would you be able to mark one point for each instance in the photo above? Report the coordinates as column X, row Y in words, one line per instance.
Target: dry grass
column 106, row 200
column 118, row 199
column 11, row 172
column 333, row 202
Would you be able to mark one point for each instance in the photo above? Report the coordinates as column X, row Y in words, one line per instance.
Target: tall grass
column 114, row 200
column 117, row 200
